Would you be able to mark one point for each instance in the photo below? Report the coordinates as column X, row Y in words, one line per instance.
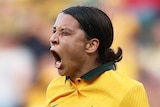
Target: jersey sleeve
column 136, row 97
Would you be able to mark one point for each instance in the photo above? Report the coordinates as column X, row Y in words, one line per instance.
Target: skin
column 78, row 55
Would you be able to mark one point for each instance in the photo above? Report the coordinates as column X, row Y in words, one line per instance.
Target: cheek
column 74, row 51
column 73, row 45
column 77, row 48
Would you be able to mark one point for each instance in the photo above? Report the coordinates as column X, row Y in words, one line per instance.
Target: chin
column 61, row 72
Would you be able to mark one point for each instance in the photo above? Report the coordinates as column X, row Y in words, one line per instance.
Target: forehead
column 66, row 20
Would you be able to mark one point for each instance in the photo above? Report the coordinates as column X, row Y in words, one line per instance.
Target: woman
column 80, row 44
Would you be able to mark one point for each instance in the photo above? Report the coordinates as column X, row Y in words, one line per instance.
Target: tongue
column 58, row 64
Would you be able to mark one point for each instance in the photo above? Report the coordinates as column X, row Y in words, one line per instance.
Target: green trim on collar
column 99, row 70
column 96, row 71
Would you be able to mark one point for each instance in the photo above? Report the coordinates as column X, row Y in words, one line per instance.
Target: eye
column 65, row 33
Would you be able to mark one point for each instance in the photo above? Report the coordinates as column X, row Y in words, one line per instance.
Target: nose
column 54, row 39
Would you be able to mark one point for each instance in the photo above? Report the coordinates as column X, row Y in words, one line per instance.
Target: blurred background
column 26, row 66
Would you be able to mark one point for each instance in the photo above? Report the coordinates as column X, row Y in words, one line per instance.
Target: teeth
column 58, row 64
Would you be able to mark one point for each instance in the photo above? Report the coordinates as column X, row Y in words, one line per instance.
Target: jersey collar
column 97, row 71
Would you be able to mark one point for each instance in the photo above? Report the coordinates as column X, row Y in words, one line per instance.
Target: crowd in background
column 26, row 65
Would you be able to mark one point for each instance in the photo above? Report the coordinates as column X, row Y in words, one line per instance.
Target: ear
column 92, row 45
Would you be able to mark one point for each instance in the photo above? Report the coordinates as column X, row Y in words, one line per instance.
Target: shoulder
column 57, row 82
column 116, row 79
column 54, row 88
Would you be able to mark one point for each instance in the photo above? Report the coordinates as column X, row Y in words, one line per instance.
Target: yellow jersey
column 100, row 87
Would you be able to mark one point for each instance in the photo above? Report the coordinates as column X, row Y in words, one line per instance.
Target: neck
column 85, row 68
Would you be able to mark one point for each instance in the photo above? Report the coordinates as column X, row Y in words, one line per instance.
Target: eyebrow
column 62, row 29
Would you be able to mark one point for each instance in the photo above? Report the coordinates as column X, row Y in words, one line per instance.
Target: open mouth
column 58, row 61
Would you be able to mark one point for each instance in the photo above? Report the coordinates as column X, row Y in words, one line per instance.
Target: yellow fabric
column 110, row 89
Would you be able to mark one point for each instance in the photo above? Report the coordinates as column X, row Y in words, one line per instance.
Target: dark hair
column 98, row 25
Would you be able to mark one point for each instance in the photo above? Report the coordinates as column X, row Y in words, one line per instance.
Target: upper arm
column 136, row 97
